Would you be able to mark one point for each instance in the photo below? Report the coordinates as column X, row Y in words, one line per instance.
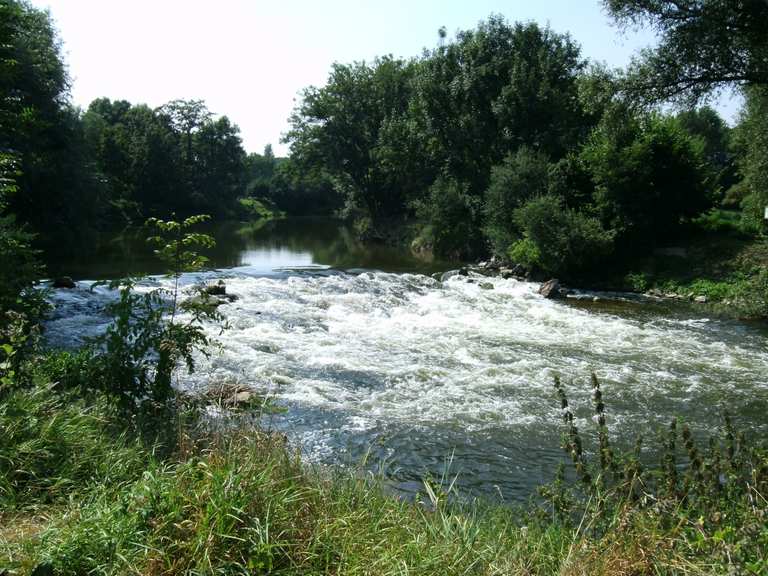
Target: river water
column 376, row 360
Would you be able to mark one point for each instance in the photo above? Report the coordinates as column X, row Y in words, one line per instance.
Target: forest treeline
column 501, row 140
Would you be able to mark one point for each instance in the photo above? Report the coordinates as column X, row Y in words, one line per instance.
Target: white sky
column 249, row 59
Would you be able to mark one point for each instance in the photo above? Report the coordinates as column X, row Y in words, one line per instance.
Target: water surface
column 373, row 357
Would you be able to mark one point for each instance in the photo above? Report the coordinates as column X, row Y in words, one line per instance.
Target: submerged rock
column 218, row 289
column 451, row 273
column 487, row 286
column 64, row 282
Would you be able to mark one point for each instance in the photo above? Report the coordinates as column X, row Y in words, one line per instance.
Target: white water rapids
column 414, row 371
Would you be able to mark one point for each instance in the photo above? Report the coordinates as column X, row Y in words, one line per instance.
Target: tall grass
column 54, row 445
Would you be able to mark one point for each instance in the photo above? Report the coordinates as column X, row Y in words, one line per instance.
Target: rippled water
column 415, row 372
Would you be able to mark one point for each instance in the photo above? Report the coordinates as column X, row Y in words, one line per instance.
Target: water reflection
column 260, row 247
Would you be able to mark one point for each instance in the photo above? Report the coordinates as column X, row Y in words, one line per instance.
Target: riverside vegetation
column 503, row 140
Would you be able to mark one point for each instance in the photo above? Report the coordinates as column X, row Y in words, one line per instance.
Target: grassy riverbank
column 84, row 490
column 716, row 264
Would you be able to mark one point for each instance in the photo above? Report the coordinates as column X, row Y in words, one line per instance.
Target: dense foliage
column 461, row 139
column 464, row 137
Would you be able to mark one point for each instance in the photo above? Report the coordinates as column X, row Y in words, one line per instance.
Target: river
column 375, row 359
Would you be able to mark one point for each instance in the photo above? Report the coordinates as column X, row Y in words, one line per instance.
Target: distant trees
column 502, row 139
column 175, row 158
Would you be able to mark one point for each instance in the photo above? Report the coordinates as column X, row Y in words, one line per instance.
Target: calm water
column 372, row 356
column 260, row 248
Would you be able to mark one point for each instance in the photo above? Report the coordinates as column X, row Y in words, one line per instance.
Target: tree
column 751, row 139
column 259, row 172
column 493, row 90
column 186, row 117
column 55, row 191
column 705, row 45
column 339, row 127
column 705, row 125
column 522, row 176
column 648, row 174
column 219, row 169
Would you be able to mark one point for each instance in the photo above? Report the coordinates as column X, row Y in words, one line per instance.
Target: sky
column 249, row 59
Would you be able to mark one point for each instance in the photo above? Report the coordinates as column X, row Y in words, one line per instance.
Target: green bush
column 567, row 241
column 522, row 176
column 649, row 177
column 451, row 213
column 718, row 220
column 525, row 252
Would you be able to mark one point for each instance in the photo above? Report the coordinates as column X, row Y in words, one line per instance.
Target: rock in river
column 550, row 289
column 63, row 282
column 452, row 273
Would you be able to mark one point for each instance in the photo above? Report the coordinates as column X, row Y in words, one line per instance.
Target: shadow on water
column 261, row 247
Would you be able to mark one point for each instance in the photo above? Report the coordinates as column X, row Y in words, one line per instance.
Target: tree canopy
column 704, row 46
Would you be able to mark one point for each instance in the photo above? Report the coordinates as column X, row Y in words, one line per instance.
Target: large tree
column 704, row 46
column 493, row 90
column 54, row 189
column 341, row 128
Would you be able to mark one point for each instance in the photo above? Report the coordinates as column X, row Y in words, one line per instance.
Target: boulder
column 486, row 286
column 700, row 299
column 64, row 282
column 550, row 289
column 218, row 289
column 203, row 301
column 451, row 273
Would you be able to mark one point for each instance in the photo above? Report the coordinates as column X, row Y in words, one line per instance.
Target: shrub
column 452, row 215
column 522, row 176
column 143, row 346
column 649, row 177
column 525, row 252
column 566, row 241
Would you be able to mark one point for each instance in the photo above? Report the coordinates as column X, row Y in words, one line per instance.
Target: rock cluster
column 497, row 268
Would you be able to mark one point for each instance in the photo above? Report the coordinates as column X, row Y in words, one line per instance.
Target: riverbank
column 83, row 494
column 722, row 272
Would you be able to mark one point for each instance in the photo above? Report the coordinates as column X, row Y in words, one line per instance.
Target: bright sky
column 249, row 59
